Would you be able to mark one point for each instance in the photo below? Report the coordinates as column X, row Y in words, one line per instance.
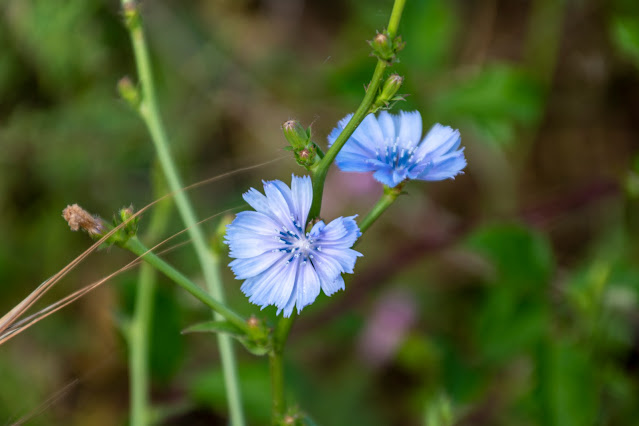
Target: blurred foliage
column 521, row 276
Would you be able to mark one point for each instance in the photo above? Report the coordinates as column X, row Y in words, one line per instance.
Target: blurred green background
column 509, row 296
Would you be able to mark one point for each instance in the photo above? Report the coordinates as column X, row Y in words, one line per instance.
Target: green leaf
column 215, row 327
column 494, row 102
column 513, row 315
column 256, row 348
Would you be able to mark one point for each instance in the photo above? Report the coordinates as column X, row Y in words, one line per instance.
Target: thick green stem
column 385, row 201
column 276, row 361
column 396, row 16
column 149, row 111
column 319, row 174
column 321, row 169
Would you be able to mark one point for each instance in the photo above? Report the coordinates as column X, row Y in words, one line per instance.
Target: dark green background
column 523, row 272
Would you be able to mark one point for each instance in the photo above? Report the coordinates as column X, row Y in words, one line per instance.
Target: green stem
column 276, row 362
column 321, row 169
column 319, row 174
column 396, row 16
column 136, row 247
column 209, row 262
column 139, row 339
column 384, row 202
column 283, row 327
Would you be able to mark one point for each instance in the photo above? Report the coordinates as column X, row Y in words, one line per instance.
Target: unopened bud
column 78, row 218
column 129, row 92
column 296, row 135
column 387, row 94
column 129, row 220
column 131, row 11
column 382, row 46
column 253, row 322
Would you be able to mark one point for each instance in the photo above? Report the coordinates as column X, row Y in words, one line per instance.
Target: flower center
column 396, row 156
column 296, row 243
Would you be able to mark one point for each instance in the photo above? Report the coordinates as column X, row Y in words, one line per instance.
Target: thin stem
column 139, row 339
column 209, row 262
column 139, row 336
column 384, row 202
column 136, row 247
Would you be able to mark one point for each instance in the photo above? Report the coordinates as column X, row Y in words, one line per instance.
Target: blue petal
column 385, row 176
column 447, row 167
column 337, row 130
column 368, row 133
column 385, row 121
column 410, row 130
column 302, row 190
column 278, row 204
column 255, row 222
column 243, row 244
column 244, row 268
column 439, row 140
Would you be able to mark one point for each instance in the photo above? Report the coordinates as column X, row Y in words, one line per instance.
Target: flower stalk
column 149, row 111
column 319, row 172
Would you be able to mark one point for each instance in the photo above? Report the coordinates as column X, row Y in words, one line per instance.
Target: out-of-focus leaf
column 167, row 344
column 567, row 386
column 521, row 256
column 493, row 101
column 430, row 28
column 207, row 388
column 625, row 34
column 61, row 40
column 438, row 411
column 513, row 316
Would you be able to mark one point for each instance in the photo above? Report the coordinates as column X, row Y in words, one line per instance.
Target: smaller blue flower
column 281, row 263
column 393, row 148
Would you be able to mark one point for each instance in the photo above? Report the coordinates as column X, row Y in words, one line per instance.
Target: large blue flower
column 281, row 263
column 393, row 148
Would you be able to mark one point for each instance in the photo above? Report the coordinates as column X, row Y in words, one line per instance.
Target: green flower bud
column 386, row 96
column 384, row 47
column 130, row 227
column 306, row 152
column 296, row 135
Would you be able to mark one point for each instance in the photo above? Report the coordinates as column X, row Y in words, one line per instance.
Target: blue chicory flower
column 393, row 148
column 281, row 263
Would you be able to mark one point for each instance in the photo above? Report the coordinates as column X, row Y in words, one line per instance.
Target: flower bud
column 129, row 92
column 130, row 222
column 296, row 135
column 384, row 47
column 387, row 93
column 306, row 152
